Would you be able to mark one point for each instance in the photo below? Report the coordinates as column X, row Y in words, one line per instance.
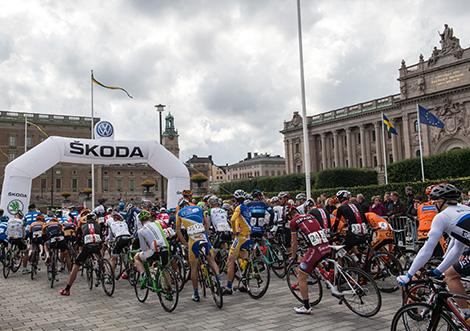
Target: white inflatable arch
column 20, row 172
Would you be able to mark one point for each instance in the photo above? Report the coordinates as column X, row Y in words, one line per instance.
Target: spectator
column 330, row 205
column 388, row 203
column 398, row 209
column 323, row 198
column 412, row 211
column 409, row 197
column 378, row 207
column 361, row 201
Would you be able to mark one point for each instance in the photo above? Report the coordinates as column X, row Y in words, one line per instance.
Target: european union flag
column 389, row 125
column 428, row 118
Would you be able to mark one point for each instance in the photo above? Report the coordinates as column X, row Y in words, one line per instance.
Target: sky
column 227, row 70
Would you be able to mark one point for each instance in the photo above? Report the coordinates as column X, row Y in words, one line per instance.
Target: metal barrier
column 409, row 237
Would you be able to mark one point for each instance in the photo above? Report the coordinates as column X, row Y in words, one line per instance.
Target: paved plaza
column 33, row 305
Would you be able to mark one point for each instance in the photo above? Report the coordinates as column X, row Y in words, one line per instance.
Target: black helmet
column 445, row 191
column 256, row 193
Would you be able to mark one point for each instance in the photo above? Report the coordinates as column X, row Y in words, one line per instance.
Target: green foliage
column 345, row 177
column 452, row 164
column 266, row 184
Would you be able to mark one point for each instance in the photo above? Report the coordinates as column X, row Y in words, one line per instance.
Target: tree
column 199, row 179
column 65, row 195
column 147, row 184
column 87, row 191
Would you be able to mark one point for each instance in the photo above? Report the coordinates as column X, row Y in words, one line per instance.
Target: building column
column 287, row 155
column 349, row 147
column 340, row 150
column 363, row 147
column 336, row 148
column 323, row 150
column 378, row 144
column 368, row 149
column 406, row 135
column 394, row 145
column 311, row 140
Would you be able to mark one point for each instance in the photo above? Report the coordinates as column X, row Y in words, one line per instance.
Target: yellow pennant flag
column 110, row 87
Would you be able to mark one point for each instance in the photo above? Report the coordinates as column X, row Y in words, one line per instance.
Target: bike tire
column 344, row 282
column 16, row 261
column 315, row 288
column 202, row 283
column 89, row 274
column 141, row 290
column 253, row 279
column 213, row 284
column 6, row 264
column 420, row 312
column 384, row 269
column 278, row 265
column 169, row 295
column 107, row 278
column 53, row 267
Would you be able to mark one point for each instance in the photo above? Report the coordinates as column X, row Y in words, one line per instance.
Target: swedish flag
column 389, row 125
column 110, row 87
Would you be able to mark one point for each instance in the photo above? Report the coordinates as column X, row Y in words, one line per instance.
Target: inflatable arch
column 20, row 172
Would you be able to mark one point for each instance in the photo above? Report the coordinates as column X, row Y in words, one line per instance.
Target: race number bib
column 91, row 239
column 56, row 239
column 223, row 228
column 37, row 234
column 359, row 228
column 317, row 238
column 195, row 229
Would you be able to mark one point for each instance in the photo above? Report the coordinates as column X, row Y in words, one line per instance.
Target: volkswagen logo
column 104, row 129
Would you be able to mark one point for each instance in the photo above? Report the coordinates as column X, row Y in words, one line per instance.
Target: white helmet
column 343, row 195
column 300, row 196
column 239, row 194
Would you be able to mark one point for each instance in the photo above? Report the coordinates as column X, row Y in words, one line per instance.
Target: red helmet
column 291, row 208
column 429, row 189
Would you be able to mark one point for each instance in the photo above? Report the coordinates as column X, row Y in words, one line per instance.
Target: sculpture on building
column 455, row 117
column 450, row 45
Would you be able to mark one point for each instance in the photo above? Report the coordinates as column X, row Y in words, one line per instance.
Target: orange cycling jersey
column 426, row 213
column 341, row 224
column 384, row 233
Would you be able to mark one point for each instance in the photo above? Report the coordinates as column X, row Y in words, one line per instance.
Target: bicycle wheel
column 141, row 287
column 417, row 316
column 213, row 284
column 278, row 261
column 107, row 277
column 131, row 275
column 89, row 273
column 118, row 267
column 169, row 295
column 180, row 271
column 417, row 292
column 384, row 269
column 315, row 288
column 16, row 260
column 34, row 262
column 7, row 264
column 53, row 267
column 257, row 277
column 202, row 283
column 359, row 292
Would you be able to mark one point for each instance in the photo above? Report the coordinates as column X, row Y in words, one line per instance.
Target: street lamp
column 160, row 109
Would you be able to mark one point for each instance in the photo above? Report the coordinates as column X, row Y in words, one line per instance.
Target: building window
column 11, row 156
column 273, row 173
column 297, row 147
column 58, row 183
column 29, row 142
column 89, row 182
column 358, row 138
column 373, row 136
column 418, row 153
column 415, row 124
column 119, row 184
column 347, row 163
column 375, row 161
column 74, row 184
column 132, row 185
column 12, row 141
column 74, row 172
column 360, row 162
column 105, row 184
column 299, row 169
column 43, row 184
column 390, row 157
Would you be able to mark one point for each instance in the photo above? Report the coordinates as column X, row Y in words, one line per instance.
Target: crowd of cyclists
column 221, row 246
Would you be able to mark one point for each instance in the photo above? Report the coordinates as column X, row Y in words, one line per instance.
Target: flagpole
column 304, row 110
column 384, row 152
column 92, row 137
column 420, row 143
column 25, row 133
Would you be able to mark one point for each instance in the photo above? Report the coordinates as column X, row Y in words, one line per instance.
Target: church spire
column 170, row 130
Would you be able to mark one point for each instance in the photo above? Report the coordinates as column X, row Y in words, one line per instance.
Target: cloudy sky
column 228, row 70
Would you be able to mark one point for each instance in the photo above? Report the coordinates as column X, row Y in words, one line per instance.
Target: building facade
column 256, row 165
column 113, row 182
column 203, row 165
column 352, row 136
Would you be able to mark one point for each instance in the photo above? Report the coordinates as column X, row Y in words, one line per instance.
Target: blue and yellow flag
column 110, row 87
column 389, row 125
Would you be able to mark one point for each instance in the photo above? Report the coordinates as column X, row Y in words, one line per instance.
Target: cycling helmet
column 19, row 213
column 91, row 217
column 144, row 216
column 227, row 207
column 249, row 197
column 291, row 208
column 428, row 189
column 300, row 196
column 109, row 210
column 445, row 191
column 206, row 197
column 213, row 200
column 187, row 193
column 121, row 205
column 239, row 194
column 183, row 202
column 84, row 212
column 163, row 210
column 343, row 195
column 147, row 203
column 257, row 193
column 283, row 194
column 40, row 218
column 116, row 216
column 274, row 200
column 310, row 202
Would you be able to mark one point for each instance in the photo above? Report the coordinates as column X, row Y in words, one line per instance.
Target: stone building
column 352, row 136
column 257, row 165
column 205, row 165
column 111, row 182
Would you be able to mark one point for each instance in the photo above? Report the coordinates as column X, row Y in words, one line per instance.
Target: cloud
column 227, row 70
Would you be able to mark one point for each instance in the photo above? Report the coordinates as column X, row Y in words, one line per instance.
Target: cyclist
column 383, row 231
column 35, row 232
column 54, row 230
column 260, row 216
column 119, row 233
column 90, row 235
column 219, row 220
column 30, row 217
column 453, row 218
column 3, row 233
column 311, row 230
column 284, row 204
column 300, row 200
column 323, row 217
column 241, row 229
column 196, row 225
column 354, row 219
column 153, row 243
column 16, row 233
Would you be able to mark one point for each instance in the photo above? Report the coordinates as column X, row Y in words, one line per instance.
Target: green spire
column 170, row 130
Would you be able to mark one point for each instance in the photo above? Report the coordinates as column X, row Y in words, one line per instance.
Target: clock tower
column 170, row 136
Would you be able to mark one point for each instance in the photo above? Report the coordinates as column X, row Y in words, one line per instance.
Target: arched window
column 418, row 153
column 415, row 123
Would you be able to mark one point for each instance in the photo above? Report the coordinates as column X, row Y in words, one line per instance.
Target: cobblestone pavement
column 33, row 305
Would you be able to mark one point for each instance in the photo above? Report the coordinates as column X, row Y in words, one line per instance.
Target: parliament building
column 352, row 136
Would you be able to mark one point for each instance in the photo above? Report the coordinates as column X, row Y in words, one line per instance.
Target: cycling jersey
column 69, row 229
column 426, row 213
column 259, row 216
column 219, row 221
column 164, row 217
column 322, row 217
column 3, row 231
column 277, row 210
column 118, row 229
column 192, row 219
column 91, row 233
column 74, row 214
column 15, row 229
column 383, row 233
column 35, row 231
column 152, row 239
column 53, row 229
column 241, row 220
column 455, row 221
column 354, row 218
column 29, row 218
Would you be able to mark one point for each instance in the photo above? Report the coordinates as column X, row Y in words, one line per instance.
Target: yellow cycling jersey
column 241, row 220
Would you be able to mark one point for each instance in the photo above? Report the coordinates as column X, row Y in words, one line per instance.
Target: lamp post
column 160, row 109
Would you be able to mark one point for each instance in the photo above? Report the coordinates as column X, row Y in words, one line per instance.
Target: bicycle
column 440, row 312
column 53, row 259
column 159, row 279
column 208, row 278
column 275, row 257
column 34, row 259
column 352, row 286
column 12, row 260
column 98, row 267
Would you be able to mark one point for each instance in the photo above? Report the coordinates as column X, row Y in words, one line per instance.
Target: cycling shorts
column 351, row 240
column 463, row 267
column 239, row 243
column 86, row 252
column 162, row 255
column 311, row 258
column 193, row 248
column 19, row 242
column 61, row 245
column 121, row 243
column 221, row 238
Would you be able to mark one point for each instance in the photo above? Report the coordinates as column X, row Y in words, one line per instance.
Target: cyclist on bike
column 284, row 204
column 53, row 233
column 16, row 235
column 3, row 233
column 383, row 231
column 454, row 219
column 35, row 231
column 323, row 217
column 90, row 235
column 30, row 217
column 119, row 233
column 242, row 243
column 192, row 219
column 153, row 243
column 219, row 220
column 311, row 230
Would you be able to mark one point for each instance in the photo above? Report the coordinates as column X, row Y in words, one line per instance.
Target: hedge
column 452, row 164
column 266, row 184
column 345, row 177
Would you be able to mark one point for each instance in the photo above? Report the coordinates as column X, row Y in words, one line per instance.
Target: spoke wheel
column 53, row 267
column 15, row 260
column 6, row 264
column 315, row 288
column 417, row 316
column 257, row 277
column 213, row 284
column 359, row 292
column 279, row 261
column 107, row 277
column 89, row 273
column 141, row 287
column 169, row 295
column 384, row 269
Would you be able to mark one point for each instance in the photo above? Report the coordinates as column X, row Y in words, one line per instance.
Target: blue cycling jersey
column 3, row 231
column 30, row 218
column 257, row 211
